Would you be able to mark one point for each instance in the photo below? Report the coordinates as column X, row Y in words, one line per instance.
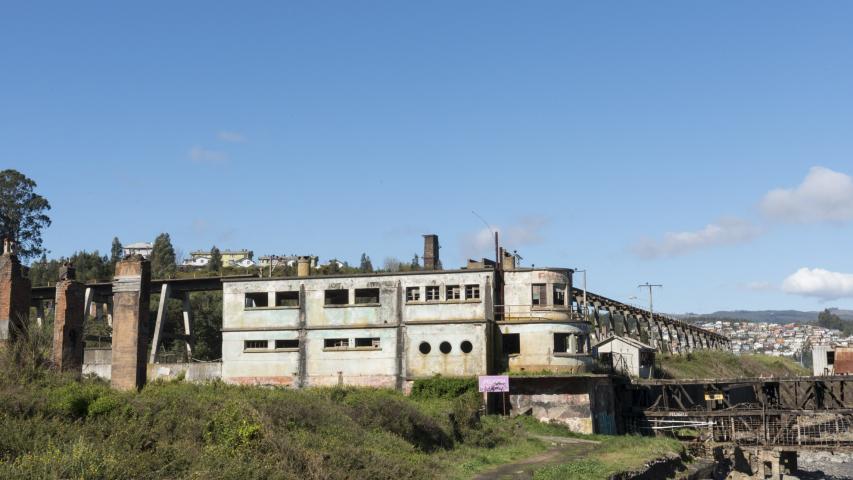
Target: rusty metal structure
column 796, row 412
column 664, row 333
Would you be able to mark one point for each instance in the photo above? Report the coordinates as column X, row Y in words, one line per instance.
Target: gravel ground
column 832, row 466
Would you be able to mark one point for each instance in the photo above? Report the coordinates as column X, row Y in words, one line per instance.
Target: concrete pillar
column 188, row 325
column 40, row 313
column 162, row 311
column 303, row 266
column 68, row 322
column 431, row 261
column 14, row 296
column 131, row 294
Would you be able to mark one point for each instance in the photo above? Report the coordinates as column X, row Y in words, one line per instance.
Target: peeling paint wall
column 393, row 327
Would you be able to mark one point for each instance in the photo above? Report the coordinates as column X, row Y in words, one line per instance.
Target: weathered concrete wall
column 536, row 352
column 398, row 324
column 131, row 295
column 14, row 296
column 192, row 372
column 584, row 403
column 454, row 363
column 97, row 362
column 68, row 326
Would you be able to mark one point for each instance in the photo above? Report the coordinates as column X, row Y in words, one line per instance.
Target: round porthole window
column 424, row 348
column 466, row 346
column 445, row 347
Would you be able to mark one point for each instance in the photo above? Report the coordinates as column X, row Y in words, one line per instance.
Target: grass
column 612, row 455
column 58, row 427
column 718, row 364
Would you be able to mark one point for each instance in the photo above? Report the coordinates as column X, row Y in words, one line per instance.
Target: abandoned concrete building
column 388, row 328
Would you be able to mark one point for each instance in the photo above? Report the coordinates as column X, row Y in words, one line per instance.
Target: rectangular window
column 287, row 344
column 830, row 358
column 538, row 291
column 367, row 342
column 581, row 344
column 559, row 294
column 453, row 292
column 432, row 294
column 472, row 292
column 336, row 343
column 257, row 299
column 561, row 342
column 255, row 344
column 511, row 343
column 413, row 294
column 337, row 297
column 287, row 299
column 366, row 295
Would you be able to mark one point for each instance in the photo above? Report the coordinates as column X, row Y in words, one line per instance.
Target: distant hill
column 770, row 316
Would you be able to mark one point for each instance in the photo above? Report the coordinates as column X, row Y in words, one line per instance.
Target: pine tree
column 215, row 264
column 22, row 214
column 366, row 265
column 416, row 262
column 163, row 257
column 115, row 251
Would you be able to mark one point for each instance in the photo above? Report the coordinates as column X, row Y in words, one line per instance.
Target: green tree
column 416, row 263
column 22, row 214
column 215, row 264
column 115, row 251
column 90, row 266
column 163, row 257
column 366, row 266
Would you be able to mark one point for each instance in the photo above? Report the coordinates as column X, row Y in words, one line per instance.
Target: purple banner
column 494, row 383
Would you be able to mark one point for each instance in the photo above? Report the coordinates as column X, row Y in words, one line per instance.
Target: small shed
column 823, row 360
column 626, row 355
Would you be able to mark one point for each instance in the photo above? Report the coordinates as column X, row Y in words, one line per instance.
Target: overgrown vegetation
column 719, row 364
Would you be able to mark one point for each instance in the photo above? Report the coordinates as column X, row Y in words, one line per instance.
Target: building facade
column 387, row 329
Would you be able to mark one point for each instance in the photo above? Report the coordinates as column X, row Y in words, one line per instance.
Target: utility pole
column 651, row 304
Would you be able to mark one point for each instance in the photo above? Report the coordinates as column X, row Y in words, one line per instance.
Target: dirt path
column 563, row 450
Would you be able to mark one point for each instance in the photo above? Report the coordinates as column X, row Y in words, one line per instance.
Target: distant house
column 285, row 260
column 626, row 355
column 230, row 258
column 138, row 248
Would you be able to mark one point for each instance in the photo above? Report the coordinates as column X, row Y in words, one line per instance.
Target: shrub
column 443, row 387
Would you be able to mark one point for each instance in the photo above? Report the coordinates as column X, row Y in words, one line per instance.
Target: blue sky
column 639, row 140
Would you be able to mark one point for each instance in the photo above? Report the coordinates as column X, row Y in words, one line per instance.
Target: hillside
column 57, row 427
column 715, row 364
column 769, row 316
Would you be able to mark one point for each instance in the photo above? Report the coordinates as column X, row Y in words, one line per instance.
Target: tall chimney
column 303, row 266
column 431, row 261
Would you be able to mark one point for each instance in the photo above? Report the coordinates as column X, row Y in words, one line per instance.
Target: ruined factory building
column 390, row 328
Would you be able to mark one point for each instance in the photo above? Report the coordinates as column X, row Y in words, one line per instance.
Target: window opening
column 257, row 299
column 511, row 343
column 472, row 292
column 287, row 299
column 366, row 295
column 337, row 297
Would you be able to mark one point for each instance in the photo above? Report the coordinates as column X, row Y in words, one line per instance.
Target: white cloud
column 727, row 231
column 817, row 282
column 233, row 137
column 527, row 231
column 202, row 155
column 823, row 196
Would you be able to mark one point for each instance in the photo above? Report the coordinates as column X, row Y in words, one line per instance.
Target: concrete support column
column 662, row 346
column 68, row 323
column 188, row 325
column 14, row 296
column 131, row 294
column 40, row 313
column 162, row 311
